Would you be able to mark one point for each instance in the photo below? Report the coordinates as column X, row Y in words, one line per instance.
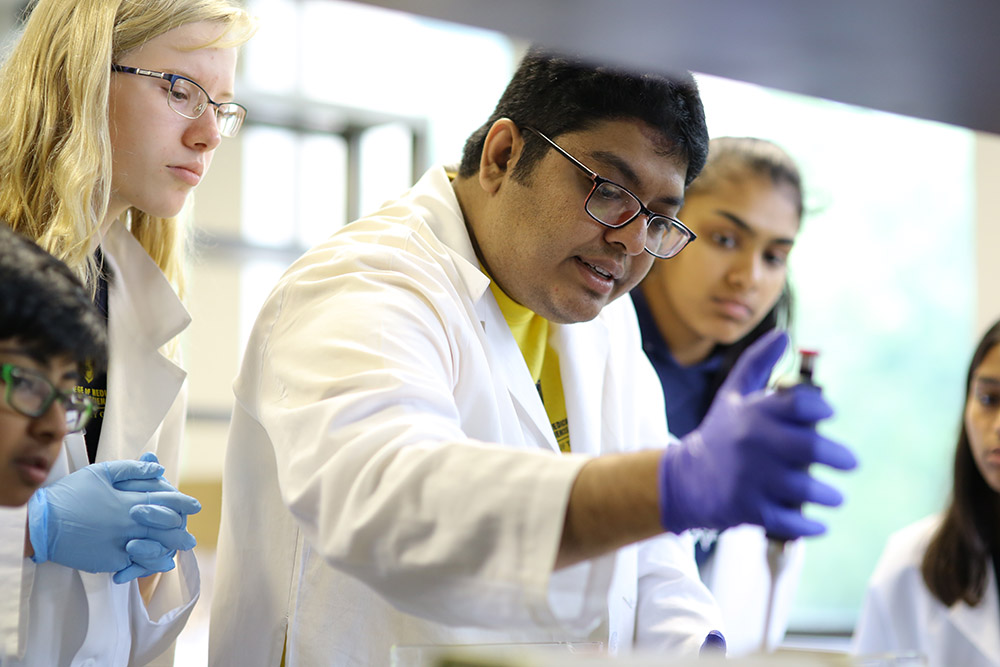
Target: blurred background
column 349, row 103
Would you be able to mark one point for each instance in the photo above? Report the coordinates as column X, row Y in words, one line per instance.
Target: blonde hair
column 55, row 147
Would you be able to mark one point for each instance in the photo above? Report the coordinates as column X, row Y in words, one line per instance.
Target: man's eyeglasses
column 30, row 393
column 615, row 206
column 190, row 100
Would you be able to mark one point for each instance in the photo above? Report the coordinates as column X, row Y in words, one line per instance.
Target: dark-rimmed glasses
column 32, row 394
column 615, row 206
column 189, row 99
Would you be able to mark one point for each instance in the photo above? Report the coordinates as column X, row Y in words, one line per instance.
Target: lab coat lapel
column 583, row 360
column 511, row 371
column 979, row 624
column 145, row 314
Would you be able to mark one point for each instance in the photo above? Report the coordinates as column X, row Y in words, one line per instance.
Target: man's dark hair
column 45, row 307
column 557, row 94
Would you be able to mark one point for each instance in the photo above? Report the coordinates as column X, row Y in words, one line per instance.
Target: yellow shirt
column 531, row 331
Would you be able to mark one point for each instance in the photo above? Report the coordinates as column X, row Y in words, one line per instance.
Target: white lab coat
column 737, row 575
column 72, row 618
column 900, row 614
column 392, row 477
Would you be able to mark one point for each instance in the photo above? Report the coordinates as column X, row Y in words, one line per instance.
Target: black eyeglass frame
column 598, row 180
column 173, row 78
column 11, row 373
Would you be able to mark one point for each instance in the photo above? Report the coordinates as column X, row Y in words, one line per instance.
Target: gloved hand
column 147, row 555
column 714, row 645
column 84, row 522
column 748, row 460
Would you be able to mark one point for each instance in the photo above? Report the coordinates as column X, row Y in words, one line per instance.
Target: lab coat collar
column 145, row 314
column 582, row 382
column 583, row 350
column 510, row 368
column 435, row 198
column 159, row 313
column 979, row 624
column 443, row 215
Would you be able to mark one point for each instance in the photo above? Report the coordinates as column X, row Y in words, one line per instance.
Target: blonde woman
column 114, row 110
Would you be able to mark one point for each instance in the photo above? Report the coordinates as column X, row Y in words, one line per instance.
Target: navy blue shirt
column 685, row 388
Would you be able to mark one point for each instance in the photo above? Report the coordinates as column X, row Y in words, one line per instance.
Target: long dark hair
column 961, row 551
column 735, row 158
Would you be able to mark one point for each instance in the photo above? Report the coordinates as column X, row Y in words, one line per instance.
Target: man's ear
column 501, row 149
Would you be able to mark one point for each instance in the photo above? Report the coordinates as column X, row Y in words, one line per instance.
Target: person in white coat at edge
column 446, row 431
column 934, row 589
column 114, row 110
column 697, row 314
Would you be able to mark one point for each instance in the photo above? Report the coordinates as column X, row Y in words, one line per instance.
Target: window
column 325, row 141
column 884, row 279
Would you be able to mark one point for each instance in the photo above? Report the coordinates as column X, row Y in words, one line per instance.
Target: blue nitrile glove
column 149, row 556
column 158, row 483
column 748, row 460
column 82, row 521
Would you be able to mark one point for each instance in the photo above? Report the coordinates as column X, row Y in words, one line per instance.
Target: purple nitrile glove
column 748, row 460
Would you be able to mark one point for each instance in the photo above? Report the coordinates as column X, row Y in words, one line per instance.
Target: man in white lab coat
column 446, row 431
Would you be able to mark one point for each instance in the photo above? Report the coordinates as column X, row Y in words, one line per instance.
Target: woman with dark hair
column 934, row 590
column 699, row 311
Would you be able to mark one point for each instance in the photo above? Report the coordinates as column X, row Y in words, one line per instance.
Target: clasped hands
column 116, row 516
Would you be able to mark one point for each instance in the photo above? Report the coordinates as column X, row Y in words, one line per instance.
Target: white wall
column 987, row 230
